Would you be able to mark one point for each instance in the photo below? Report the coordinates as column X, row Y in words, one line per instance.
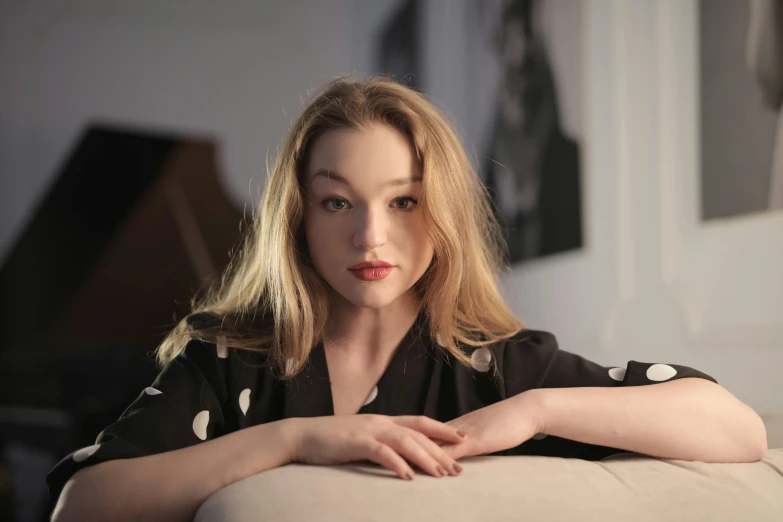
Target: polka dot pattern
column 660, row 372
column 618, row 374
column 371, row 397
column 85, row 453
column 207, row 374
column 480, row 359
column 244, row 400
column 200, row 423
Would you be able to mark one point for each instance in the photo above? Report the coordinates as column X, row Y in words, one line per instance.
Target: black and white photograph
column 397, row 48
column 740, row 100
column 530, row 153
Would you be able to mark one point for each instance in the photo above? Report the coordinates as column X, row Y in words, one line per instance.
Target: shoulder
column 528, row 340
column 197, row 363
column 525, row 350
column 524, row 359
column 254, row 330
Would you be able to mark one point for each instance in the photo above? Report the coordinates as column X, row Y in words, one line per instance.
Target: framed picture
column 740, row 55
column 518, row 99
column 530, row 139
column 397, row 45
column 724, row 271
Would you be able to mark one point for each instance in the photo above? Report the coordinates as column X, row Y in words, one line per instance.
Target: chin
column 373, row 302
column 374, row 299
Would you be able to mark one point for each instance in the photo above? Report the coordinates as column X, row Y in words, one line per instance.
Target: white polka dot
column 618, row 374
column 371, row 397
column 480, row 359
column 200, row 423
column 85, row 453
column 222, row 351
column 152, row 391
column 244, row 400
column 660, row 372
column 539, row 436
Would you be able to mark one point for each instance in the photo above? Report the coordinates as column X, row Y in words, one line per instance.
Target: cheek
column 321, row 240
column 419, row 243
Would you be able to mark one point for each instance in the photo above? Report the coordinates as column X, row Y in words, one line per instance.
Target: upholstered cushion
column 627, row 486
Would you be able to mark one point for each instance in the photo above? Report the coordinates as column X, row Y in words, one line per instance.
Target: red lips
column 371, row 264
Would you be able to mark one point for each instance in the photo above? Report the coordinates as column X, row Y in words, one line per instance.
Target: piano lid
column 134, row 224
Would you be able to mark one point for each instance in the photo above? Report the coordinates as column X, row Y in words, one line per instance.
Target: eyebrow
column 332, row 175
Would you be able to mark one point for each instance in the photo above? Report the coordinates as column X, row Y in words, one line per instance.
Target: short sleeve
column 570, row 370
column 183, row 406
column 532, row 359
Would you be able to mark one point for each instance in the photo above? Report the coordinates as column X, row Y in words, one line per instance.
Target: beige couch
column 622, row 487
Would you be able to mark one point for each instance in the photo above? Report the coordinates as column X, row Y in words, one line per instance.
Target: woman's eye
column 341, row 202
column 325, row 202
column 408, row 198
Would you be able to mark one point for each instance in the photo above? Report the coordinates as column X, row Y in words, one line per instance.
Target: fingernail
column 457, row 468
column 441, row 471
column 462, row 434
column 410, row 475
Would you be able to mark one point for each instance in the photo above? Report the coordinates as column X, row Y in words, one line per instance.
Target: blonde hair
column 271, row 300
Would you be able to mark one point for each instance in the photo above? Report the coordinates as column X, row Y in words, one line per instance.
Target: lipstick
column 372, row 274
column 371, row 270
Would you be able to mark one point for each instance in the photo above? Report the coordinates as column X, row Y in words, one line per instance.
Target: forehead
column 379, row 152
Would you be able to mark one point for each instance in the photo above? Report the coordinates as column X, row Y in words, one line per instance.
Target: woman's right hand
column 383, row 439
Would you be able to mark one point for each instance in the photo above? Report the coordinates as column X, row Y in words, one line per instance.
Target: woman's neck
column 365, row 336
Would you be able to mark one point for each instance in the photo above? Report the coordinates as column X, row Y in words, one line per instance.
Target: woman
column 303, row 355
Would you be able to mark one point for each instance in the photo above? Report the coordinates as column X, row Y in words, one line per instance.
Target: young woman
column 362, row 321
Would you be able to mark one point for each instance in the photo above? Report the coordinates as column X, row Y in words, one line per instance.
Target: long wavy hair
column 271, row 300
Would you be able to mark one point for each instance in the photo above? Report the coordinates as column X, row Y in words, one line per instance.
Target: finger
column 405, row 443
column 438, row 453
column 383, row 455
column 431, row 427
column 453, row 451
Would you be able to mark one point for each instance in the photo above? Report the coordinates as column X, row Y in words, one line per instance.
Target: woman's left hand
column 497, row 427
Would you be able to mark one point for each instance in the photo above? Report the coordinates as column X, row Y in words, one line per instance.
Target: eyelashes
column 325, row 203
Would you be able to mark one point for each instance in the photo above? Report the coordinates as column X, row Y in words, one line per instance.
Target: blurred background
column 634, row 149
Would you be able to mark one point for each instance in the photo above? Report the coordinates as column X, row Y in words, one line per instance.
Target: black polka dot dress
column 209, row 391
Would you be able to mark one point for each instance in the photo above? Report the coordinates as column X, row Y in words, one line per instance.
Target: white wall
column 236, row 71
column 652, row 284
column 739, row 135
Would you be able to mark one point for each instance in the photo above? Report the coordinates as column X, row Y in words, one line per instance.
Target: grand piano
column 134, row 224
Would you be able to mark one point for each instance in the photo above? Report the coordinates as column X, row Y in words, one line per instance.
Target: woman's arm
column 686, row 419
column 171, row 486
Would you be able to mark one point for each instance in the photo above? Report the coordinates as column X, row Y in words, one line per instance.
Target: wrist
column 290, row 436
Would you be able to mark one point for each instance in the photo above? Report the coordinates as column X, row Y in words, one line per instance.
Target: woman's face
column 363, row 204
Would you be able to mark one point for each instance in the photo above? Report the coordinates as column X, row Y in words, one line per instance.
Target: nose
column 369, row 228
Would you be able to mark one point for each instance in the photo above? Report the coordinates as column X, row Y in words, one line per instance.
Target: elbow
column 756, row 441
column 761, row 438
column 63, row 511
column 75, row 503
column 754, row 453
